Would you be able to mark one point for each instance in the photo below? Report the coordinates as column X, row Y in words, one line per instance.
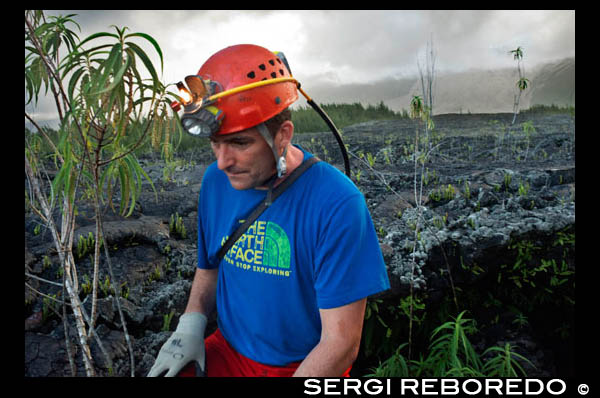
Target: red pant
column 223, row 361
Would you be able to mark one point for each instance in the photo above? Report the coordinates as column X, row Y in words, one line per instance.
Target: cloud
column 338, row 47
column 351, row 45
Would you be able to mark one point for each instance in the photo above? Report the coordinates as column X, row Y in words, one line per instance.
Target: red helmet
column 240, row 65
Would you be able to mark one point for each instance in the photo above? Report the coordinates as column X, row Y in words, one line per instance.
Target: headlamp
column 200, row 118
column 185, row 94
column 203, row 122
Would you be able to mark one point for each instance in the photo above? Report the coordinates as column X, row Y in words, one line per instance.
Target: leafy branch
column 100, row 90
column 522, row 83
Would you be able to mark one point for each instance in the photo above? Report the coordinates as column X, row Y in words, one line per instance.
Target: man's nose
column 224, row 156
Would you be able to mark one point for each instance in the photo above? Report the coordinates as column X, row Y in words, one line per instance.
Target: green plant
column 505, row 363
column 451, row 354
column 395, row 366
column 451, row 351
column 430, row 177
column 357, row 174
column 106, row 286
column 86, row 245
column 449, row 192
column 101, row 100
column 528, row 129
column 522, row 83
column 46, row 263
column 49, row 306
column 421, row 111
column 86, row 286
column 507, row 181
column 167, row 321
column 471, row 222
column 386, row 156
column 560, row 273
column 467, row 190
column 176, row 226
column 564, row 238
column 520, row 320
column 439, row 222
column 155, row 275
column 124, row 290
column 371, row 159
column 372, row 316
column 443, row 194
column 413, row 308
column 521, row 271
column 523, row 188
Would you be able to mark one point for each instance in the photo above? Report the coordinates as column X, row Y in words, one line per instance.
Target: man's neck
column 294, row 158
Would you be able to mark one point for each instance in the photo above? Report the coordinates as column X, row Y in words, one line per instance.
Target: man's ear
column 284, row 135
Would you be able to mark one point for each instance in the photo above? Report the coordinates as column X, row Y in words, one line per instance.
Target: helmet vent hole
column 273, row 75
column 262, row 67
column 251, row 75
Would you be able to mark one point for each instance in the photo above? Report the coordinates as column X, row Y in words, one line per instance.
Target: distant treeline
column 307, row 120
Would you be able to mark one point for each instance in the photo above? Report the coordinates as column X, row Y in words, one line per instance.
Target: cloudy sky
column 344, row 47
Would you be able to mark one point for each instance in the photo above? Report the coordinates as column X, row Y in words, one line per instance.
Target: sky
column 343, row 46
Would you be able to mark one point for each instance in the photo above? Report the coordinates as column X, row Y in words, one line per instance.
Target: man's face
column 245, row 158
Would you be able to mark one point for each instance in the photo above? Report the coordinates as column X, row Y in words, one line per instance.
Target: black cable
column 335, row 132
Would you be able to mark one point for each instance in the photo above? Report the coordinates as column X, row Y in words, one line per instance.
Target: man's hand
column 185, row 345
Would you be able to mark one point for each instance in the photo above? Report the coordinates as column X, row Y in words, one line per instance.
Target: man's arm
column 203, row 293
column 339, row 344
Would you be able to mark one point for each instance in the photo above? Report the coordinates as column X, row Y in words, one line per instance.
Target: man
column 290, row 294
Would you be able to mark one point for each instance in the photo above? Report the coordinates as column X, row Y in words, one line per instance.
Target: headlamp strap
column 279, row 160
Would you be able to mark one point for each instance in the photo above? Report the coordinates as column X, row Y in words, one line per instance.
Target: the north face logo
column 277, row 247
column 264, row 247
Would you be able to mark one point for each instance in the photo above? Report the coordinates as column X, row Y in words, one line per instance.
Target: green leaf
column 140, row 53
column 73, row 83
column 154, row 43
column 77, row 58
column 133, row 178
column 118, row 76
column 97, row 35
column 108, row 66
column 123, row 179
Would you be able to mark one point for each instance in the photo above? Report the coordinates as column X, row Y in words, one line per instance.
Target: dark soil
column 508, row 184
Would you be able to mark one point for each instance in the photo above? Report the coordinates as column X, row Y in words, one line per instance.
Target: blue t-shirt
column 314, row 248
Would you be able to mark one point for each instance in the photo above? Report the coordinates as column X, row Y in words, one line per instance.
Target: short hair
column 274, row 123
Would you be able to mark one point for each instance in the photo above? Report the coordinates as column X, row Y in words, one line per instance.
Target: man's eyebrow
column 245, row 138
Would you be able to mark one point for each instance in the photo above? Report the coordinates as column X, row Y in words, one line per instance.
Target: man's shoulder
column 327, row 180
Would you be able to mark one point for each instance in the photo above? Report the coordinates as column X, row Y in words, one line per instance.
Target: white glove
column 185, row 345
